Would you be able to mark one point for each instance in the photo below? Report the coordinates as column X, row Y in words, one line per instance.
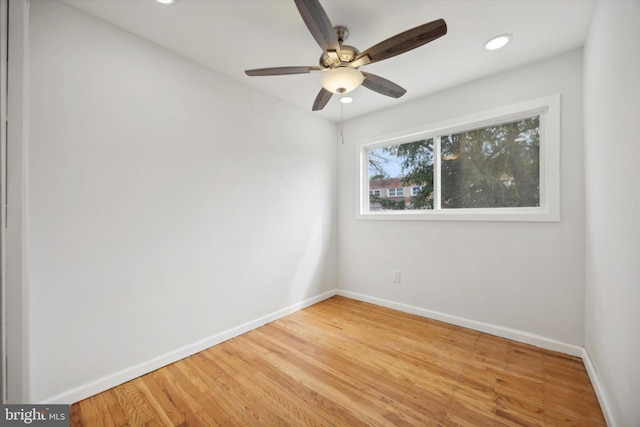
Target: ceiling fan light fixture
column 498, row 42
column 341, row 79
column 166, row 1
column 346, row 100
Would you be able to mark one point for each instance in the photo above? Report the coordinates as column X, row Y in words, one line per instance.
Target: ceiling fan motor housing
column 347, row 54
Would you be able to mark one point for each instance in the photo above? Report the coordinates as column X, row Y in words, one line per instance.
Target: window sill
column 497, row 215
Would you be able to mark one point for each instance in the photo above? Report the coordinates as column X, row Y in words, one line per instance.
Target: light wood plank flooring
column 347, row 363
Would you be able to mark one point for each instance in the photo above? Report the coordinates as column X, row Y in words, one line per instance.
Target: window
column 375, row 193
column 500, row 165
column 395, row 192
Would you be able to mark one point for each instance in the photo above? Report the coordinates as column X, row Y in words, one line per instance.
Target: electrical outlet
column 396, row 276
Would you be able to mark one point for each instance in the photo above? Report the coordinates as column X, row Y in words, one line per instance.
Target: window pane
column 492, row 167
column 396, row 170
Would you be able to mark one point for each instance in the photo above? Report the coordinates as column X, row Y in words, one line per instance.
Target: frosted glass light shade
column 341, row 79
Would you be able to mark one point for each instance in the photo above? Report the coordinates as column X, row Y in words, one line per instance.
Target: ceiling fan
column 340, row 63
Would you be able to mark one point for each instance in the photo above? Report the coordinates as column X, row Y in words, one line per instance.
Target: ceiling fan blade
column 321, row 100
column 318, row 23
column 382, row 85
column 405, row 41
column 279, row 71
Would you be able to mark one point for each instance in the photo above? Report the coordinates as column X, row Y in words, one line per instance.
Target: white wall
column 167, row 203
column 612, row 153
column 524, row 276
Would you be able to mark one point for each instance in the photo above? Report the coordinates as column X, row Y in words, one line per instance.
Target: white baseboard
column 87, row 390
column 500, row 331
column 599, row 389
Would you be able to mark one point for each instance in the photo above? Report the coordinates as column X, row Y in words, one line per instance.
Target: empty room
column 320, row 212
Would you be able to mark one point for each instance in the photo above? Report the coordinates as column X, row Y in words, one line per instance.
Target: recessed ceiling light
column 498, row 42
column 166, row 1
column 346, row 100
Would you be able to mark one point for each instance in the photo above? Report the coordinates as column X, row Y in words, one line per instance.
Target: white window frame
column 376, row 192
column 415, row 190
column 548, row 109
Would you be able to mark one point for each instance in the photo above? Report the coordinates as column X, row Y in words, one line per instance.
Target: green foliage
column 496, row 166
column 417, row 166
column 387, row 204
column 377, row 166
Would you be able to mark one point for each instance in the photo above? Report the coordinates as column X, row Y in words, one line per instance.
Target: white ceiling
column 233, row 35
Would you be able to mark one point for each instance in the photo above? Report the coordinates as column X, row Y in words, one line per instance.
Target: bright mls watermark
column 37, row 415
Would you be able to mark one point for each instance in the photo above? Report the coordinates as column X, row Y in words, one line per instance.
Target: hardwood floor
column 347, row 363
